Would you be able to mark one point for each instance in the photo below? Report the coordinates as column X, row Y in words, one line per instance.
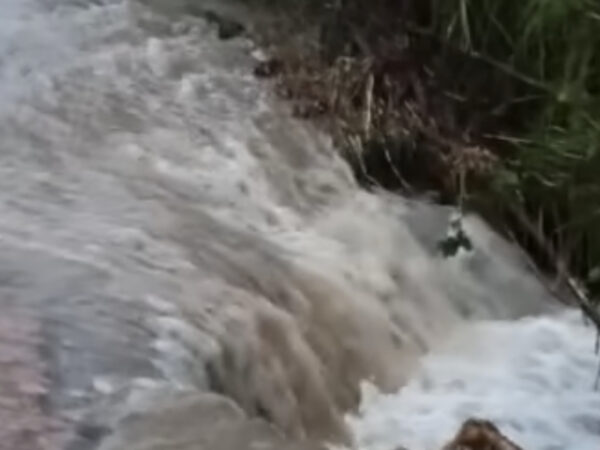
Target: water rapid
column 196, row 266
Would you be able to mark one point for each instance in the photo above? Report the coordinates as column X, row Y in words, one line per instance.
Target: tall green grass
column 551, row 50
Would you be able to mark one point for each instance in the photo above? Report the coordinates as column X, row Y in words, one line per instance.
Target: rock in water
column 480, row 435
column 227, row 28
column 268, row 68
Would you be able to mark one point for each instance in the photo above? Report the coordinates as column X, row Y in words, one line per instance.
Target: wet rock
column 480, row 435
column 87, row 436
column 268, row 68
column 227, row 28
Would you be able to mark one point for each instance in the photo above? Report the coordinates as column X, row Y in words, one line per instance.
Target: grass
column 551, row 51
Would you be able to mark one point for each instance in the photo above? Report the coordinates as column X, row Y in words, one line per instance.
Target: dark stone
column 227, row 28
column 269, row 68
column 92, row 432
column 478, row 434
column 88, row 437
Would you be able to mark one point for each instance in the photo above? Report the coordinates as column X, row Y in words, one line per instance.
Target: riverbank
column 457, row 102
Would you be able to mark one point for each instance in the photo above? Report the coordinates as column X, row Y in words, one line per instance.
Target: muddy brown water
column 184, row 264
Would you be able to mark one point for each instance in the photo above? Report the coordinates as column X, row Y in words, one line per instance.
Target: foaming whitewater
column 198, row 262
column 534, row 378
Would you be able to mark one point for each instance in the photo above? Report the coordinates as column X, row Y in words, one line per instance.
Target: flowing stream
column 185, row 266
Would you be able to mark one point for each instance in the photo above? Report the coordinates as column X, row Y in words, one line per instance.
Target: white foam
column 533, row 378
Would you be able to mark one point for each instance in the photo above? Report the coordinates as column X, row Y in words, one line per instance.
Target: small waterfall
column 173, row 230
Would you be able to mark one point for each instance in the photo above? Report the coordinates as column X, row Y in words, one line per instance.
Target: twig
column 584, row 302
column 356, row 145
column 505, row 138
column 367, row 119
column 462, row 186
column 455, row 96
column 395, row 170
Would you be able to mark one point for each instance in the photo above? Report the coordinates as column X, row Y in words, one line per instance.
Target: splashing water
column 533, row 378
column 168, row 225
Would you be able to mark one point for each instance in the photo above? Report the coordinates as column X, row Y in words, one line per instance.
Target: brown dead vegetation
column 377, row 96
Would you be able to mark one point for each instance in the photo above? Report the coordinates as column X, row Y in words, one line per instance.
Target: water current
column 189, row 267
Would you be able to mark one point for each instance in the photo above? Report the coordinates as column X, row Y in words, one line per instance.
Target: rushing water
column 533, row 378
column 172, row 232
